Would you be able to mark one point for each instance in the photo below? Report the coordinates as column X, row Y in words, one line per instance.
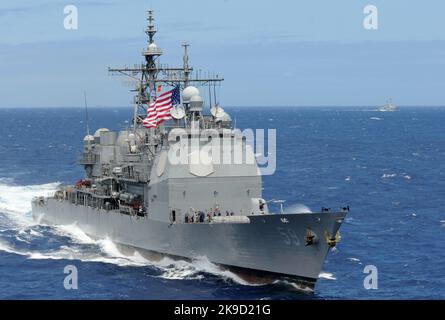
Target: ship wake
column 15, row 201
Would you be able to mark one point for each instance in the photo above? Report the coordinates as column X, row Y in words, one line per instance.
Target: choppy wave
column 388, row 175
column 354, row 259
column 295, row 286
column 393, row 175
column 15, row 201
column 180, row 269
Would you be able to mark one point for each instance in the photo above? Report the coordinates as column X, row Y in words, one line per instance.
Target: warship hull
column 271, row 245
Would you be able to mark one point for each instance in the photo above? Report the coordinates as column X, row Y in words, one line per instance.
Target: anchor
column 332, row 241
column 310, row 237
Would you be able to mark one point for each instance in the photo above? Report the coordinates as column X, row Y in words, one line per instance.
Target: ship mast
column 151, row 73
column 185, row 60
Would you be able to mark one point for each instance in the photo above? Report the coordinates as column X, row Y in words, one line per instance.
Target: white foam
column 354, row 259
column 77, row 253
column 107, row 251
column 388, row 175
column 15, row 201
column 295, row 286
column 35, row 233
column 5, row 247
column 111, row 251
column 177, row 269
column 18, row 238
column 375, row 118
column 326, row 275
column 74, row 232
column 180, row 269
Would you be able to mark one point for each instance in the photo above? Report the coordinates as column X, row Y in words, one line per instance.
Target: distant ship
column 389, row 106
column 133, row 194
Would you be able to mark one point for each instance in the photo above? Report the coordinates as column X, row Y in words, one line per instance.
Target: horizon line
column 230, row 106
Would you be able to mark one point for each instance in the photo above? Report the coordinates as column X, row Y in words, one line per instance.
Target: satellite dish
column 178, row 112
column 224, row 117
column 217, row 111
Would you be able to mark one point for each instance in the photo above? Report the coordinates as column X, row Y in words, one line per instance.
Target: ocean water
column 388, row 167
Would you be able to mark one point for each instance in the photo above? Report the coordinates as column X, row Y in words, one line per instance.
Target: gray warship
column 134, row 194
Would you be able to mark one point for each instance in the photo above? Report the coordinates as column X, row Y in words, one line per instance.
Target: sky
column 270, row 53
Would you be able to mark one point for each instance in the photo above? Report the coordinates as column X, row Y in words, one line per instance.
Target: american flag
column 159, row 110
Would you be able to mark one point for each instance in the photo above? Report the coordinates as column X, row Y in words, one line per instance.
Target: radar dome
column 196, row 98
column 99, row 131
column 189, row 92
column 152, row 47
column 88, row 138
column 196, row 103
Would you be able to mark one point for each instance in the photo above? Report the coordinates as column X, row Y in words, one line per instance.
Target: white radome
column 196, row 103
column 99, row 131
column 196, row 98
column 88, row 138
column 152, row 47
column 189, row 92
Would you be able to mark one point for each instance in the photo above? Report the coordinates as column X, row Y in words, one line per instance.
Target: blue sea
column 389, row 167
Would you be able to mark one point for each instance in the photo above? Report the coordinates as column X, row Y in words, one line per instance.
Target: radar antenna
column 151, row 73
column 185, row 60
